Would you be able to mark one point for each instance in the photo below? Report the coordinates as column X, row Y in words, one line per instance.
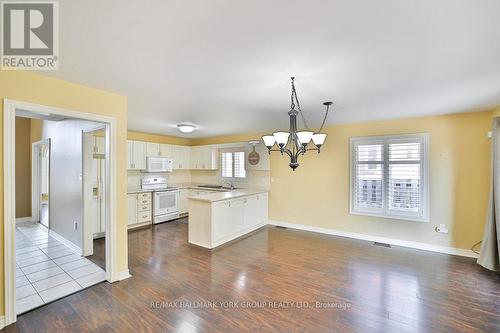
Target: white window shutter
column 389, row 176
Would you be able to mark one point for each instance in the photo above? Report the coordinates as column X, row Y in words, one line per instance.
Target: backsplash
column 254, row 177
column 175, row 177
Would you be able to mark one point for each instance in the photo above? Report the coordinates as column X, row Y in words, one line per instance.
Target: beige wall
column 34, row 88
column 23, row 167
column 317, row 193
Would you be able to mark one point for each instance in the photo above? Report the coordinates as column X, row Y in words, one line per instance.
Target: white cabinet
column 181, row 157
column 214, row 223
column 158, row 150
column 139, row 208
column 204, row 158
column 166, row 150
column 183, row 200
column 152, row 149
column 136, row 155
column 132, row 209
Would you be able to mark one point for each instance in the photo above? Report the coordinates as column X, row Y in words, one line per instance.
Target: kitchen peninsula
column 217, row 218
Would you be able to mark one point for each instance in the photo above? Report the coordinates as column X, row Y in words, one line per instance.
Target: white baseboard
column 122, row 275
column 66, row 242
column 392, row 241
column 2, row 322
column 23, row 219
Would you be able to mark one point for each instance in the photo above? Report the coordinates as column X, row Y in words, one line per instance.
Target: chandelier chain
column 294, row 94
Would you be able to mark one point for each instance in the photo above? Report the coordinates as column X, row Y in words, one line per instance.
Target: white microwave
column 159, row 164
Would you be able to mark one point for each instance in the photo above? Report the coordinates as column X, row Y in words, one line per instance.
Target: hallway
column 47, row 270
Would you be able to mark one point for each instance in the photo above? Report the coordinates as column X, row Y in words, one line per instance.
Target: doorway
column 40, row 171
column 15, row 237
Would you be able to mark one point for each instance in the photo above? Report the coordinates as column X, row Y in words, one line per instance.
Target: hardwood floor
column 363, row 287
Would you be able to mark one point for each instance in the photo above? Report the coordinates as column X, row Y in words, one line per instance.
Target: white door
column 41, row 181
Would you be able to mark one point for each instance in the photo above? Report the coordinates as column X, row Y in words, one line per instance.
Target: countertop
column 221, row 196
column 133, row 190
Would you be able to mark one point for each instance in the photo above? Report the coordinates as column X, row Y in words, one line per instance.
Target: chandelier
column 295, row 143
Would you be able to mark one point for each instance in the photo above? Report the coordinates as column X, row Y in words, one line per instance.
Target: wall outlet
column 441, row 228
column 75, row 224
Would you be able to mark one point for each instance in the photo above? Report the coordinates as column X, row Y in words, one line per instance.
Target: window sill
column 422, row 219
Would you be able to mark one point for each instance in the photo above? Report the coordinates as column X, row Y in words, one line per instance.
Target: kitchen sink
column 219, row 187
column 211, row 186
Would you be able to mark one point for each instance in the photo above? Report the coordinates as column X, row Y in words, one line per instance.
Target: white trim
column 2, row 322
column 424, row 214
column 9, row 114
column 23, row 219
column 370, row 238
column 9, row 176
column 35, row 180
column 119, row 276
column 66, row 242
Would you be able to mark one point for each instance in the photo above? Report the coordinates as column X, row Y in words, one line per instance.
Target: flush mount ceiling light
column 294, row 143
column 186, row 128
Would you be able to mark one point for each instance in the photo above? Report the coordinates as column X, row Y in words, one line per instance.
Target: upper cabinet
column 185, row 157
column 204, row 158
column 181, row 157
column 136, row 155
column 158, row 150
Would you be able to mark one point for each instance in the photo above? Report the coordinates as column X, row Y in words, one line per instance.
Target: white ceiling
column 225, row 65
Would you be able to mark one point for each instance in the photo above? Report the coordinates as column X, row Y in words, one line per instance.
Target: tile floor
column 47, row 270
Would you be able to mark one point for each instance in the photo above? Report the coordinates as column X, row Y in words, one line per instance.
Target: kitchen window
column 233, row 165
column 390, row 177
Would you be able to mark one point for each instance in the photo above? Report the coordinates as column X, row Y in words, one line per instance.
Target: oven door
column 166, row 202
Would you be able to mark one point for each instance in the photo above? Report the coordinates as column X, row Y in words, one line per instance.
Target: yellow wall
column 34, row 88
column 139, row 136
column 23, row 167
column 317, row 193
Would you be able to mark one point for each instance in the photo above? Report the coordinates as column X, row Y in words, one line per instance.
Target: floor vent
column 382, row 244
column 280, row 227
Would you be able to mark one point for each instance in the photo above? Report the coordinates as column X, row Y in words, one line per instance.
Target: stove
column 165, row 199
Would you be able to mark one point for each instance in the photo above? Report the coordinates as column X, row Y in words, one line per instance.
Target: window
column 233, row 164
column 389, row 176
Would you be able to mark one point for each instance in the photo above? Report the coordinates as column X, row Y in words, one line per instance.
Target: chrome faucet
column 231, row 185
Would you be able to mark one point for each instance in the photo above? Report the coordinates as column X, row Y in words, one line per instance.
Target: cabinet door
column 132, row 209
column 181, row 157
column 251, row 211
column 183, row 201
column 222, row 223
column 139, row 156
column 194, row 158
column 186, row 153
column 165, row 150
column 152, row 149
column 130, row 155
column 213, row 159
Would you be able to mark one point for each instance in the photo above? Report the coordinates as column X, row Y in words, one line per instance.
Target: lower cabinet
column 214, row 223
column 139, row 208
column 183, row 200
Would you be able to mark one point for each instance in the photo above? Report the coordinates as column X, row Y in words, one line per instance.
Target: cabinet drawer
column 143, row 217
column 144, row 201
column 144, row 208
column 144, row 196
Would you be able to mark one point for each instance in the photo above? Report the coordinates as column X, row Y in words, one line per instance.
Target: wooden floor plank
column 382, row 289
